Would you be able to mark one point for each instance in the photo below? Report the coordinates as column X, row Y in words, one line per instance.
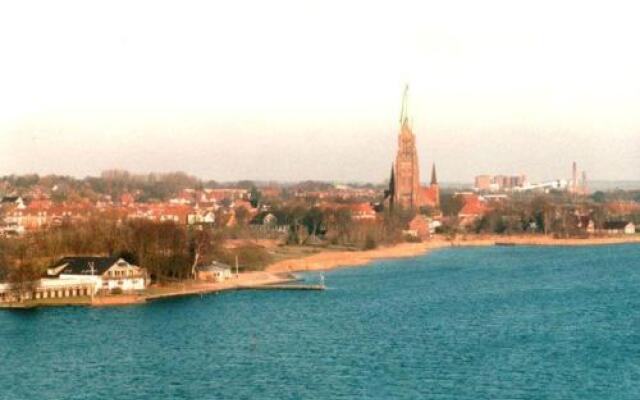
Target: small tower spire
column 434, row 178
column 391, row 191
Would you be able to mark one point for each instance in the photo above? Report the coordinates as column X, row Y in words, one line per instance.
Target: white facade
column 630, row 229
column 48, row 288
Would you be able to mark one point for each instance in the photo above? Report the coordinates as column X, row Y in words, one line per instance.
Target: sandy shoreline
column 336, row 259
column 280, row 272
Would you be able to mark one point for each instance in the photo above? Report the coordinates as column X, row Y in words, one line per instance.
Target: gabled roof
column 616, row 224
column 259, row 219
column 11, row 199
column 362, row 207
column 212, row 266
column 473, row 206
column 430, row 194
column 83, row 265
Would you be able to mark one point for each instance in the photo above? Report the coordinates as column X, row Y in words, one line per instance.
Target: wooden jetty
column 291, row 286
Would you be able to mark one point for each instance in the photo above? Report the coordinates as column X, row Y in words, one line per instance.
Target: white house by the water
column 106, row 273
column 214, row 271
column 80, row 276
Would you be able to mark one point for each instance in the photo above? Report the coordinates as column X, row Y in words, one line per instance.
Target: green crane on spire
column 404, row 113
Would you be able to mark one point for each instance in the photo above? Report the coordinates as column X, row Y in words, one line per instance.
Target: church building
column 405, row 190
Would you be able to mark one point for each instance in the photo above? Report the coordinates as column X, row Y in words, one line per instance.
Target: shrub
column 412, row 239
column 370, row 243
column 250, row 257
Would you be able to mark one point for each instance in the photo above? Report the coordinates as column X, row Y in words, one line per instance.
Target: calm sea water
column 469, row 323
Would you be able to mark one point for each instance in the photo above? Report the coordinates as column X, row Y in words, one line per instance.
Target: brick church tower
column 406, row 179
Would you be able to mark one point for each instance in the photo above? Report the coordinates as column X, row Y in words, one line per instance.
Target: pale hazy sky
column 291, row 90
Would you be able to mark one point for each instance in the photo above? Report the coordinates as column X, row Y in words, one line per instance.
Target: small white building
column 214, row 271
column 11, row 230
column 619, row 228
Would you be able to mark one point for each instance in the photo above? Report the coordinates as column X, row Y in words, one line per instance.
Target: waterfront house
column 214, row 271
column 619, row 228
column 105, row 274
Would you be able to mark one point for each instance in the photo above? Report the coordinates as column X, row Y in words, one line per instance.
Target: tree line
column 167, row 250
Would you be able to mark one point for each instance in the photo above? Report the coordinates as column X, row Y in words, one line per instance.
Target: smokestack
column 574, row 177
column 585, row 189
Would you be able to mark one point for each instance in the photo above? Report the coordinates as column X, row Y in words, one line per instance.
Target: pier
column 293, row 286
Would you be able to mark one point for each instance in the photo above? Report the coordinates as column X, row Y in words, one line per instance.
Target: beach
column 334, row 259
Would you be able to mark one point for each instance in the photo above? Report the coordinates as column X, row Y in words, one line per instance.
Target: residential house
column 226, row 194
column 267, row 222
column 362, row 211
column 13, row 201
column 201, row 217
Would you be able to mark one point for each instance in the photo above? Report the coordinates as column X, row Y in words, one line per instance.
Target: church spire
column 392, row 183
column 404, row 112
column 434, row 178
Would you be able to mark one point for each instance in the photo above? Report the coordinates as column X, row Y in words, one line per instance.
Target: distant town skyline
column 288, row 91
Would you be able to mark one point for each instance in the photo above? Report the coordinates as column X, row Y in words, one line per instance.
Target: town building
column 199, row 216
column 363, row 211
column 418, row 227
column 499, row 183
column 473, row 207
column 266, row 221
